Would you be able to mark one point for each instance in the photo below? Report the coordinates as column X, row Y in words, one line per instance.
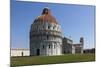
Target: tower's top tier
column 46, row 16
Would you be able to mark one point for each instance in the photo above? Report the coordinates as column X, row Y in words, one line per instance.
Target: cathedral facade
column 45, row 35
column 68, row 47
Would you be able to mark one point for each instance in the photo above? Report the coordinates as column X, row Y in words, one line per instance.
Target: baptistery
column 45, row 35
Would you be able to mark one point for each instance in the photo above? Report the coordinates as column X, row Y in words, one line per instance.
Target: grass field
column 37, row 60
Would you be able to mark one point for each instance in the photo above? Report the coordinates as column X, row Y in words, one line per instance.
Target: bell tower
column 82, row 40
column 82, row 43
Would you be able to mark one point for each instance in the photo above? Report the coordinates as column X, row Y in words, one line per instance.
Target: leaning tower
column 82, row 43
column 45, row 35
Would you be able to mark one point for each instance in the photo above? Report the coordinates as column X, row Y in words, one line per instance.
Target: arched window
column 43, row 46
column 47, row 37
column 49, row 46
column 43, row 26
column 54, row 46
column 49, row 27
column 36, row 27
column 54, row 28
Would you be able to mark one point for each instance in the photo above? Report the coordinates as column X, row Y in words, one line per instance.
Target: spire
column 46, row 10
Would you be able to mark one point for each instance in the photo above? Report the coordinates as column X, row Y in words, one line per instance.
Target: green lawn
column 37, row 60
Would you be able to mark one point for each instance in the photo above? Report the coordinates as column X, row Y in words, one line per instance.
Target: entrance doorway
column 38, row 52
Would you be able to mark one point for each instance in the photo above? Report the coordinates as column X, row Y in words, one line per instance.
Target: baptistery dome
column 46, row 16
column 45, row 35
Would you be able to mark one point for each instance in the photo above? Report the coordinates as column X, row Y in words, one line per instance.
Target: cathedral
column 68, row 47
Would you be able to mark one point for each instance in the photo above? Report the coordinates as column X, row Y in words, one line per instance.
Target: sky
column 76, row 21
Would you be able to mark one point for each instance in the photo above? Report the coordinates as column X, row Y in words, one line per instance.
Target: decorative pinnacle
column 46, row 10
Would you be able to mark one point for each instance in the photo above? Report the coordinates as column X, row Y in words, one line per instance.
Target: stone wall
column 20, row 52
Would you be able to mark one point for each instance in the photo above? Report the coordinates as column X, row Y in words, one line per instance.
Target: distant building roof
column 77, row 45
column 68, row 39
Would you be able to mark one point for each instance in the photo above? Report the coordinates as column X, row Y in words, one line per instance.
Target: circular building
column 45, row 35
